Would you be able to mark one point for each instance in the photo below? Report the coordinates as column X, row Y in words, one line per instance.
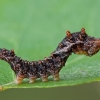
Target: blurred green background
column 33, row 28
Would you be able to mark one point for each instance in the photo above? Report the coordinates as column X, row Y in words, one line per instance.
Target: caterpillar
column 77, row 43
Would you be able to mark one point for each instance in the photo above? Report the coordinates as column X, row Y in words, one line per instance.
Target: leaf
column 34, row 29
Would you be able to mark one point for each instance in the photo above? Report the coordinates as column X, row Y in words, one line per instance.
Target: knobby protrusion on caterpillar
column 77, row 43
column 68, row 34
column 83, row 31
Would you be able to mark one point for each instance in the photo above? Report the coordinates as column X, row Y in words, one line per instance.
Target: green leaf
column 34, row 29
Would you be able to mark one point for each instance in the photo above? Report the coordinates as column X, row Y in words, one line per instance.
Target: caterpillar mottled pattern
column 78, row 43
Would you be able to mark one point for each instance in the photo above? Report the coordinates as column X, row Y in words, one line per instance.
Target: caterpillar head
column 89, row 45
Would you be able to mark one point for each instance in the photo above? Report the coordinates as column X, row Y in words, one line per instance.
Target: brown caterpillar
column 78, row 43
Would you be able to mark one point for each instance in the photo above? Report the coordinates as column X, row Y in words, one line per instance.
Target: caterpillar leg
column 44, row 78
column 56, row 77
column 19, row 79
column 32, row 79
